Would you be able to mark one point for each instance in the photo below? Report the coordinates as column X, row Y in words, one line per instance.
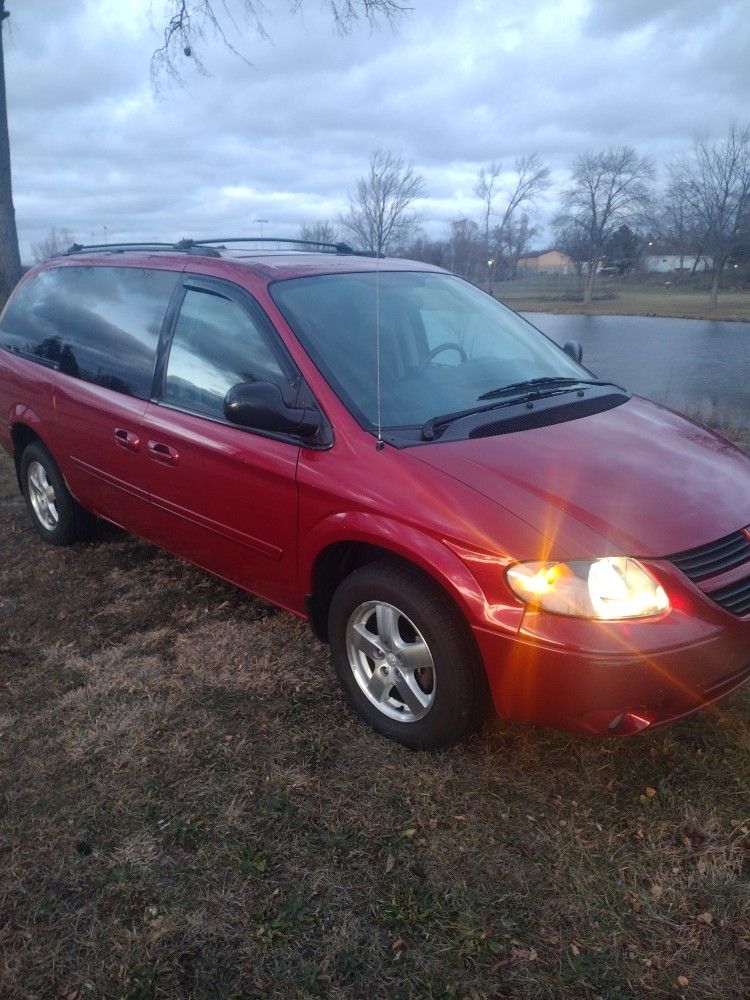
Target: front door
column 223, row 496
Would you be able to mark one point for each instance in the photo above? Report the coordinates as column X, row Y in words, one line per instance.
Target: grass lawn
column 626, row 297
column 188, row 809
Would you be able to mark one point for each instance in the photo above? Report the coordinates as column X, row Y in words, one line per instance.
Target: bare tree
column 486, row 189
column 10, row 258
column 56, row 241
column 189, row 21
column 320, row 232
column 464, row 250
column 428, row 250
column 517, row 237
column 573, row 241
column 530, row 179
column 714, row 181
column 674, row 222
column 608, row 189
column 379, row 217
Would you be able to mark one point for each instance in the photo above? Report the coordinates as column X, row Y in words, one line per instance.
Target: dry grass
column 187, row 809
column 623, row 297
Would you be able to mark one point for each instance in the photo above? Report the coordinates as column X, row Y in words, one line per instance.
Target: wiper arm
column 443, row 419
column 534, row 384
column 519, row 392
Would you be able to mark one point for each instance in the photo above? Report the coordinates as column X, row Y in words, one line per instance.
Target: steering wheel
column 449, row 345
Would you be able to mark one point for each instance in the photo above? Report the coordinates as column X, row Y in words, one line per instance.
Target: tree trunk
column 714, row 296
column 588, row 295
column 10, row 260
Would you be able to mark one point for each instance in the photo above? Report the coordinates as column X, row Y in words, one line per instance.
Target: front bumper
column 589, row 694
column 616, row 677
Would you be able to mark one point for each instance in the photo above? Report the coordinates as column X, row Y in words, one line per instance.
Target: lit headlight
column 614, row 587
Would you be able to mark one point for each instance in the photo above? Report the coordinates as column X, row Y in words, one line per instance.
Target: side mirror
column 260, row 406
column 574, row 349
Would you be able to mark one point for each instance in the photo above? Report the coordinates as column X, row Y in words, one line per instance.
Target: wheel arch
column 333, row 558
column 22, row 433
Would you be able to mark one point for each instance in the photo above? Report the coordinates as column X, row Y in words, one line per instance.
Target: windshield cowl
column 524, row 413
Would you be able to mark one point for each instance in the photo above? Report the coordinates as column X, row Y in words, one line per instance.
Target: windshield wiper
column 533, row 385
column 443, row 419
column 519, row 392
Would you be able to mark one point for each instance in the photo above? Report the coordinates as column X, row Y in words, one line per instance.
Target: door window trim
column 250, row 305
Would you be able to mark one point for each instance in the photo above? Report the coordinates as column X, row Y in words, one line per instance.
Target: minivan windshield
column 444, row 344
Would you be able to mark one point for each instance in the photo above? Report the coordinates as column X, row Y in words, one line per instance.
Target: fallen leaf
column 706, row 918
column 657, row 891
column 524, row 954
column 390, row 863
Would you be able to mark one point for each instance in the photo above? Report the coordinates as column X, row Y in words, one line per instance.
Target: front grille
column 735, row 597
column 716, row 557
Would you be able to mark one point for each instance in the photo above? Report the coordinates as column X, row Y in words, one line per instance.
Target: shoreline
column 622, row 309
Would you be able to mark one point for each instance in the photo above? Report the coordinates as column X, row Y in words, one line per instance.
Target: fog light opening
column 632, row 721
column 616, row 722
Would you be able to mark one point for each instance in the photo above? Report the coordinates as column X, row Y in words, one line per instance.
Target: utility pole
column 262, row 222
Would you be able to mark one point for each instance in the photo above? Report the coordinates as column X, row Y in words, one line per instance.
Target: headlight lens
column 609, row 588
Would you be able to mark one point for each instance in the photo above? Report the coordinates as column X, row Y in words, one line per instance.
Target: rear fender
column 21, row 420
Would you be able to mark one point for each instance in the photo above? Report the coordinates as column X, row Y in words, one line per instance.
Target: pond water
column 700, row 365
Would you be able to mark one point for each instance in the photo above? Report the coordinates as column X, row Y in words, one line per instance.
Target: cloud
column 459, row 84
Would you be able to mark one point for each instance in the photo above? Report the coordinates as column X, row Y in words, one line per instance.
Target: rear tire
column 404, row 656
column 56, row 515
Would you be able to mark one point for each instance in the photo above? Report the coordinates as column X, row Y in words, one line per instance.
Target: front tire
column 57, row 517
column 404, row 657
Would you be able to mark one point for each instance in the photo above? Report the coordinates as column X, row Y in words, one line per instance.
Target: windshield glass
column 443, row 343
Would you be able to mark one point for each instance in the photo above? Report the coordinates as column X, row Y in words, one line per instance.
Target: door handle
column 127, row 439
column 163, row 453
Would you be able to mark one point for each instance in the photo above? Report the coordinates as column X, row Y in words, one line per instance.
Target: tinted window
column 100, row 324
column 443, row 343
column 216, row 344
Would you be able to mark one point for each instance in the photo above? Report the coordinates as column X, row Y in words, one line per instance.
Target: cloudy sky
column 460, row 83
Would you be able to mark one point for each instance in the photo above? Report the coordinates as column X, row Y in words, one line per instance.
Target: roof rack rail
column 209, row 248
column 339, row 248
column 76, row 248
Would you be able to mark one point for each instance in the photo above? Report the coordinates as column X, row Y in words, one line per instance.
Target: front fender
column 473, row 579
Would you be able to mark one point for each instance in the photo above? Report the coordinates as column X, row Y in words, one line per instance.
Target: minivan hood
column 637, row 480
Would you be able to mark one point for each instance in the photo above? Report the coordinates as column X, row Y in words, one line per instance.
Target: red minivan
column 461, row 509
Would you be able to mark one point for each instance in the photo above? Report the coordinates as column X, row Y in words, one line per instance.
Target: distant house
column 669, row 262
column 547, row 262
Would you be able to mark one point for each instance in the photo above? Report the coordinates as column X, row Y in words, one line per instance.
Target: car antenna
column 379, row 446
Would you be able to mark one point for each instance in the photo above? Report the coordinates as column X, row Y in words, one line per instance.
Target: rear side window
column 100, row 324
column 216, row 344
